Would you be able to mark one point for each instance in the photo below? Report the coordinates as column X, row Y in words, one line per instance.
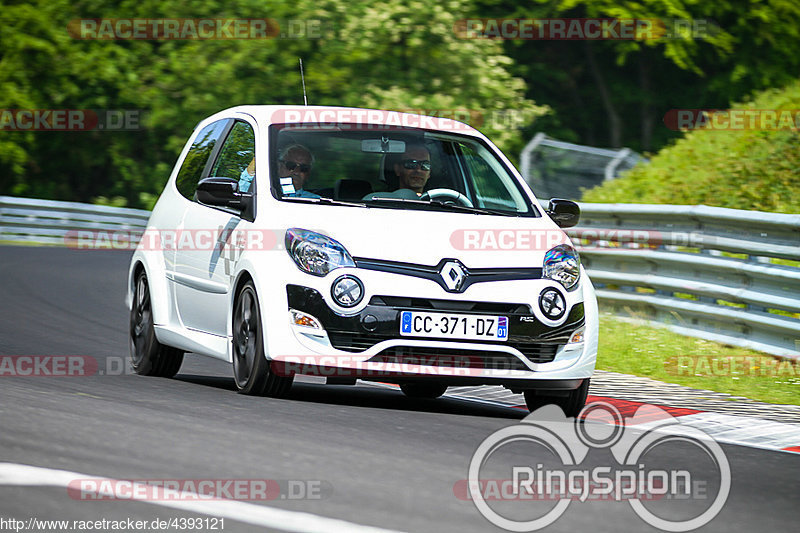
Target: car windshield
column 392, row 168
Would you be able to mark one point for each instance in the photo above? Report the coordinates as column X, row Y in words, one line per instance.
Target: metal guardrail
column 50, row 222
column 560, row 169
column 726, row 275
column 722, row 274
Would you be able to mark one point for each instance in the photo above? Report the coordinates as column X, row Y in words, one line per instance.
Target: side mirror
column 565, row 213
column 224, row 193
column 220, row 192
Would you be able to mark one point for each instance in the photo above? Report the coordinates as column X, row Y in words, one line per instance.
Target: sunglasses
column 413, row 164
column 291, row 165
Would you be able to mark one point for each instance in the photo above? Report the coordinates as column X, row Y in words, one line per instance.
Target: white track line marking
column 259, row 515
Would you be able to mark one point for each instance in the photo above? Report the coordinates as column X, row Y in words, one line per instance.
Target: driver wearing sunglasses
column 414, row 168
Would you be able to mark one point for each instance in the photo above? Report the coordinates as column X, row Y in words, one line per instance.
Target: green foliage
column 742, row 169
column 402, row 55
column 406, row 56
column 615, row 92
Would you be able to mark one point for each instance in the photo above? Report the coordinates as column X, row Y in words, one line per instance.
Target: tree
column 615, row 92
column 404, row 55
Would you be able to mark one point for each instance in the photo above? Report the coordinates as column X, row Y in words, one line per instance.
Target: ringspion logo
column 665, row 492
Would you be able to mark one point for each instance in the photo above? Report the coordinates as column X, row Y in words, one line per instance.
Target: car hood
column 427, row 237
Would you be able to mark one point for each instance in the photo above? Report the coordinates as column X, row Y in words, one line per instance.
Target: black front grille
column 433, row 272
column 447, row 357
column 536, row 352
column 450, row 305
column 355, row 342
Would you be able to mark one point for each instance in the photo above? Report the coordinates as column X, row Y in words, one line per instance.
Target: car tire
column 148, row 356
column 423, row 390
column 251, row 370
column 572, row 404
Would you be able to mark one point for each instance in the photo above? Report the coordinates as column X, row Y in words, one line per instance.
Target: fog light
column 552, row 303
column 298, row 318
column 347, row 290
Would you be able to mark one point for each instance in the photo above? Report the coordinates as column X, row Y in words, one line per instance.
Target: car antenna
column 303, row 79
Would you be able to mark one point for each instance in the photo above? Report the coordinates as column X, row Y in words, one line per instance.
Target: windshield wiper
column 477, row 210
column 321, row 200
column 384, row 199
column 443, row 205
column 408, row 201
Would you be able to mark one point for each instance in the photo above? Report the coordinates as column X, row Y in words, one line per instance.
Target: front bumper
column 368, row 345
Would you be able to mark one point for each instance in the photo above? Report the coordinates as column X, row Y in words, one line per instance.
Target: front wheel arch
column 253, row 373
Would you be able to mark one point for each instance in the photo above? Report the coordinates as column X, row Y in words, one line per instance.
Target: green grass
column 661, row 354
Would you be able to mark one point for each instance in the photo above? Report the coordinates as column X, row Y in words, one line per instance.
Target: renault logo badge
column 454, row 274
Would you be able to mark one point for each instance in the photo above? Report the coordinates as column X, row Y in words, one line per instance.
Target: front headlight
column 315, row 253
column 563, row 265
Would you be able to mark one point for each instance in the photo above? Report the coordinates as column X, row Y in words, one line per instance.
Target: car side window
column 237, row 158
column 192, row 168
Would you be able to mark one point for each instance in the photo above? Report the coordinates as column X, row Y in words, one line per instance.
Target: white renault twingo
column 361, row 244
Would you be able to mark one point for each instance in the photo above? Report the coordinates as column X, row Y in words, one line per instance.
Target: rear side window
column 192, row 169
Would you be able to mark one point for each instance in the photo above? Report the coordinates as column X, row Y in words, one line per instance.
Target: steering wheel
column 455, row 196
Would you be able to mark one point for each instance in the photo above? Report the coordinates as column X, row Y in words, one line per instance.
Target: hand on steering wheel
column 455, row 196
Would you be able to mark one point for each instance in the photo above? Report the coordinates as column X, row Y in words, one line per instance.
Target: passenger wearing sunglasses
column 414, row 168
column 294, row 167
column 295, row 162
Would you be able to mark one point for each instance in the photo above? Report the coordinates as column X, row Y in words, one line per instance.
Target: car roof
column 278, row 114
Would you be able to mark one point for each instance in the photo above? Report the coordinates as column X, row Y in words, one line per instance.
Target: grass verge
column 661, row 354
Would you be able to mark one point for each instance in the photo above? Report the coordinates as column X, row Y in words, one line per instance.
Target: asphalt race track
column 367, row 455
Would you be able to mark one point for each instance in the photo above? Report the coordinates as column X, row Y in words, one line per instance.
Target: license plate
column 453, row 326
